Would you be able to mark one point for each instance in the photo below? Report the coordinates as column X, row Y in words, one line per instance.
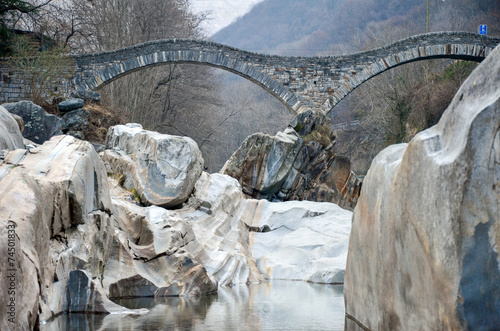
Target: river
column 277, row 305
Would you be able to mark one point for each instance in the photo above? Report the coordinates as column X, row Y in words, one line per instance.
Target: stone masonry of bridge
column 312, row 82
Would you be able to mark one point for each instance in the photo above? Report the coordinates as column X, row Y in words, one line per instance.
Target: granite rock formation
column 39, row 126
column 10, row 134
column 161, row 168
column 297, row 164
column 55, row 210
column 72, row 243
column 423, row 252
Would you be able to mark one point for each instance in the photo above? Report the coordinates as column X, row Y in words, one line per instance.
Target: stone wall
column 14, row 86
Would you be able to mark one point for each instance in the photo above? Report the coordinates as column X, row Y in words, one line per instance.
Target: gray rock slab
column 423, row 252
column 39, row 126
column 70, row 104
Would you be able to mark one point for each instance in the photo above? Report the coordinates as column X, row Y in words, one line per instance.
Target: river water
column 278, row 305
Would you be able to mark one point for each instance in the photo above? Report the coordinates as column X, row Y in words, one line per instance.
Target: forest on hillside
column 327, row 27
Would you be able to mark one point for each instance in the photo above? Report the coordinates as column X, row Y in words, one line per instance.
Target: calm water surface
column 279, row 305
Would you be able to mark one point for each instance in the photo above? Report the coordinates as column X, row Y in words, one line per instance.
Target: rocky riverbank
column 143, row 219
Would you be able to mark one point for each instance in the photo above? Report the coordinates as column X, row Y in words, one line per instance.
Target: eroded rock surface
column 295, row 165
column 423, row 252
column 10, row 134
column 237, row 240
column 151, row 254
column 299, row 240
column 161, row 168
column 248, row 240
column 55, row 200
column 39, row 126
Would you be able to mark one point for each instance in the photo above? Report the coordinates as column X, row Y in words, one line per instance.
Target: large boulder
column 161, row 168
column 295, row 165
column 263, row 163
column 39, row 126
column 423, row 252
column 55, row 215
column 150, row 254
column 10, row 134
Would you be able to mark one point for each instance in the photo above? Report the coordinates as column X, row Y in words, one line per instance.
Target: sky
column 221, row 12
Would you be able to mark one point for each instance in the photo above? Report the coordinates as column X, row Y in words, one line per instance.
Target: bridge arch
column 318, row 82
column 443, row 45
column 98, row 70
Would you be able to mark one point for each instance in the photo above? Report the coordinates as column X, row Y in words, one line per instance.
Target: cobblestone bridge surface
column 318, row 82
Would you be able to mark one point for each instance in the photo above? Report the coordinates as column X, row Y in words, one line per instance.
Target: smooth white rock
column 161, row 168
column 10, row 134
column 303, row 240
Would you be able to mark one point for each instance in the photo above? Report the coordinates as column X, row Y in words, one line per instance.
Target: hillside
column 321, row 27
column 296, row 27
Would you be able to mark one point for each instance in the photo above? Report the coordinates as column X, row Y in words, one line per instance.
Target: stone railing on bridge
column 317, row 82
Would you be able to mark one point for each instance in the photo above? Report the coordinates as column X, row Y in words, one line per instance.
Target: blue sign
column 483, row 29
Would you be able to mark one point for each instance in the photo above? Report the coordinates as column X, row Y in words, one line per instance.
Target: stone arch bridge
column 317, row 82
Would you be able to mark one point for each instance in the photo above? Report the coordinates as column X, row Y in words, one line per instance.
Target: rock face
column 299, row 240
column 295, row 166
column 70, row 104
column 55, row 213
column 423, row 252
column 151, row 254
column 10, row 135
column 39, row 126
column 161, row 168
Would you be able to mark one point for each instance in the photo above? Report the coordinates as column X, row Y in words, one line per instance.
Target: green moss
column 298, row 127
column 136, row 195
column 321, row 134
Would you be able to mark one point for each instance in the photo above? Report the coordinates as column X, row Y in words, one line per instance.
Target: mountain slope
column 297, row 27
column 321, row 27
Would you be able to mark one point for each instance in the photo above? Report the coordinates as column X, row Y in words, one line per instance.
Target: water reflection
column 280, row 305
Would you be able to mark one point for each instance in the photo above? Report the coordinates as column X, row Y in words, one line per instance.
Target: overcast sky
column 222, row 12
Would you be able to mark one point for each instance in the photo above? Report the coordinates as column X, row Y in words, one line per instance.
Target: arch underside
column 117, row 70
column 380, row 66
